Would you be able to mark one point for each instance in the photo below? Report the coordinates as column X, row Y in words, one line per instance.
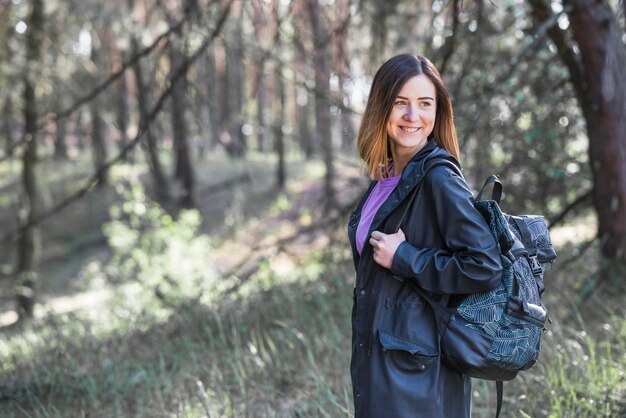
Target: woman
column 443, row 245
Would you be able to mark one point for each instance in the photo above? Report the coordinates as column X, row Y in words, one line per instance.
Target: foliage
column 167, row 256
column 280, row 347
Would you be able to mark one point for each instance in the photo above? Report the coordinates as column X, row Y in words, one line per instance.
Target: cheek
column 430, row 117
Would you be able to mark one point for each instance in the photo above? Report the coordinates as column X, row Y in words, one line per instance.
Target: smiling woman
column 415, row 226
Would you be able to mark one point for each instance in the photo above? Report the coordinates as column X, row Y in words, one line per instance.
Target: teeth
column 409, row 130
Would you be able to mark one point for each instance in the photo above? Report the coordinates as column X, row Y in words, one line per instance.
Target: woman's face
column 412, row 117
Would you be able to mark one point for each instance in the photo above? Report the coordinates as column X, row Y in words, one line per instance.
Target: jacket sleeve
column 470, row 260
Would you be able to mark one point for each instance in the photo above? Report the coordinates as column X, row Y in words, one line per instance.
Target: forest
column 176, row 179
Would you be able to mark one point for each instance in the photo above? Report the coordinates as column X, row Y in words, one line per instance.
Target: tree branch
column 448, row 48
column 542, row 11
column 579, row 201
column 93, row 180
column 55, row 117
column 537, row 36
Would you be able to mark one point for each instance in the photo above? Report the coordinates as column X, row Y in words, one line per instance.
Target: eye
column 399, row 103
column 426, row 104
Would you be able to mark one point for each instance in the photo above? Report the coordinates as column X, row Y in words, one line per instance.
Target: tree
column 595, row 57
column 182, row 155
column 156, row 168
column 28, row 243
column 302, row 102
column 341, row 58
column 98, row 126
column 321, row 64
column 280, row 114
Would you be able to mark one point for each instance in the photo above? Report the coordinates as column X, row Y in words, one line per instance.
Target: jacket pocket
column 406, row 355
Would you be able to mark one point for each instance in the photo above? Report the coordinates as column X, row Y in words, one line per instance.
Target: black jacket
column 395, row 366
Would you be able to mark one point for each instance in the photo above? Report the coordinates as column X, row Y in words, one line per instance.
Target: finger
column 377, row 235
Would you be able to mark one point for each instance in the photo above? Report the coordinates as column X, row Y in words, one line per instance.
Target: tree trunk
column 60, row 131
column 183, row 170
column 279, row 121
column 213, row 99
column 322, row 94
column 121, row 114
column 5, row 57
column 7, row 124
column 28, row 243
column 117, row 94
column 302, row 107
column 602, row 97
column 156, row 168
column 98, row 144
column 380, row 30
column 80, row 131
column 235, row 64
column 200, row 98
column 342, row 67
column 597, row 75
column 60, row 148
column 260, row 109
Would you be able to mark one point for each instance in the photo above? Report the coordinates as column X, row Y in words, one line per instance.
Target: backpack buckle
column 535, row 265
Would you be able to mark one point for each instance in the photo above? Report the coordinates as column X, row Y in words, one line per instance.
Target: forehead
column 418, row 86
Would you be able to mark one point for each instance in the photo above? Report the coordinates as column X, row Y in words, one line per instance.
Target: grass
column 280, row 345
column 278, row 348
column 282, row 352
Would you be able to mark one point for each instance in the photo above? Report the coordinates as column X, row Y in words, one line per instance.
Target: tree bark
column 322, row 93
column 342, row 67
column 60, row 147
column 7, row 124
column 302, row 105
column 213, row 97
column 183, row 170
column 302, row 108
column 235, row 64
column 597, row 75
column 260, row 110
column 98, row 144
column 5, row 56
column 379, row 30
column 603, row 93
column 156, row 168
column 279, row 121
column 121, row 113
column 29, row 241
column 119, row 93
column 262, row 26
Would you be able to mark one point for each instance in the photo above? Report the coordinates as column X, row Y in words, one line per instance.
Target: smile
column 409, row 129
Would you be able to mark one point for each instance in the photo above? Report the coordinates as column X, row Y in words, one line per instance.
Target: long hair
column 372, row 141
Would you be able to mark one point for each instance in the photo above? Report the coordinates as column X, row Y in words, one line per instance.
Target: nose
column 411, row 113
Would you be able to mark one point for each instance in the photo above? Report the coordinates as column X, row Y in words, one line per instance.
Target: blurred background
column 176, row 178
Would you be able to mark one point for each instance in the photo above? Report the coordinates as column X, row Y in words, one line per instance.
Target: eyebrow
column 419, row 98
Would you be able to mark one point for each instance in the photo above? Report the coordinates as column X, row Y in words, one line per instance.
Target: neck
column 401, row 156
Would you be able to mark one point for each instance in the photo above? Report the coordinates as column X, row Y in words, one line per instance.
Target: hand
column 385, row 246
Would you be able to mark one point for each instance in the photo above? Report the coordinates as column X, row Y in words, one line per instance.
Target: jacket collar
column 411, row 175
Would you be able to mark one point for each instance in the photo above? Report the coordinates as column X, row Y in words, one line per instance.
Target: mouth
column 409, row 129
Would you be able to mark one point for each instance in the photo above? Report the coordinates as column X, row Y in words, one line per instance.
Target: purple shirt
column 374, row 201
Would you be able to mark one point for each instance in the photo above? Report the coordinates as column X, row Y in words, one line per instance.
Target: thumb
column 401, row 234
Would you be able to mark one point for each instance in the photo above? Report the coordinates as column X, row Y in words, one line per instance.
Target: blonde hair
column 372, row 140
